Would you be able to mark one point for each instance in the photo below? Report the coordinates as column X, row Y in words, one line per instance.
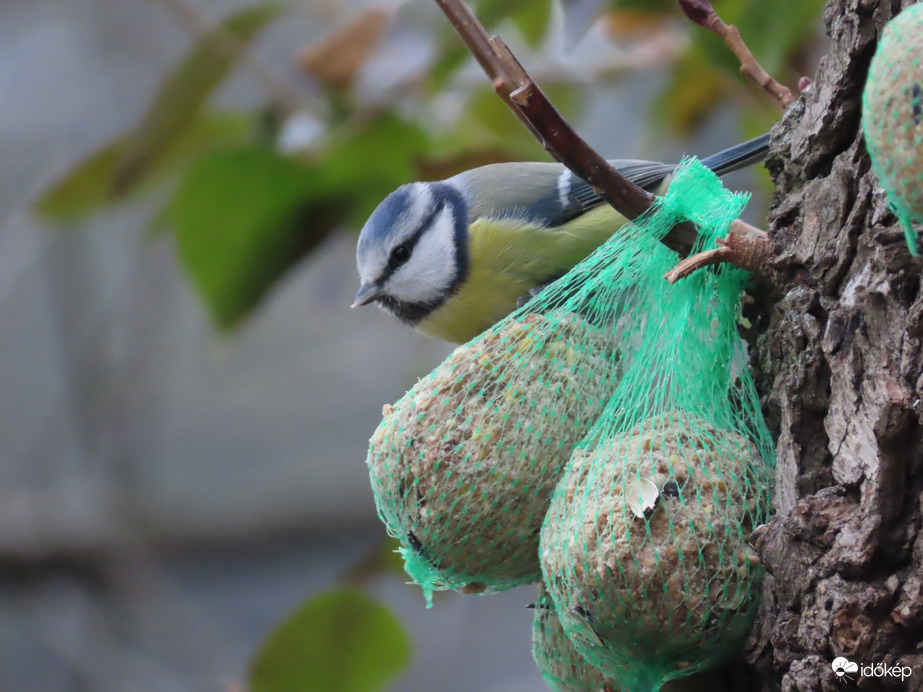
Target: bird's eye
column 400, row 254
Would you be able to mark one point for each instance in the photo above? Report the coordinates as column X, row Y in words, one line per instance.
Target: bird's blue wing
column 550, row 195
column 547, row 194
column 649, row 175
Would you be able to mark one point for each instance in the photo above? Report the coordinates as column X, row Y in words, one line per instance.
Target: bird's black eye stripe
column 401, row 253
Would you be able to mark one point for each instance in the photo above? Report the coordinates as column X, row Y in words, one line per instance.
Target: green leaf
column 90, row 184
column 86, row 186
column 242, row 217
column 339, row 641
column 188, row 87
column 369, row 163
column 487, row 120
column 171, row 131
column 532, row 19
column 774, row 30
column 488, row 111
column 694, row 90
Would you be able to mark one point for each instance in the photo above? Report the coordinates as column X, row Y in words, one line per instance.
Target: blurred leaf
column 491, row 114
column 89, row 184
column 758, row 115
column 370, row 162
column 171, row 130
column 488, row 121
column 187, row 88
column 532, row 19
column 86, row 186
column 691, row 94
column 337, row 57
column 339, row 641
column 774, row 30
column 243, row 216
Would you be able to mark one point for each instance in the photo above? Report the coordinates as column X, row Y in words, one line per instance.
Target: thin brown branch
column 474, row 36
column 564, row 144
column 745, row 246
column 533, row 108
column 703, row 14
column 696, row 262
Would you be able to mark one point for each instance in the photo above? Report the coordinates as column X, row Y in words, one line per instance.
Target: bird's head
column 413, row 251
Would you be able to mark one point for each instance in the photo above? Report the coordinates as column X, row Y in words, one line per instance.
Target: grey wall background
column 166, row 493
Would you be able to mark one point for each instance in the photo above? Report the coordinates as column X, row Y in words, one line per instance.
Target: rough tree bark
column 838, row 355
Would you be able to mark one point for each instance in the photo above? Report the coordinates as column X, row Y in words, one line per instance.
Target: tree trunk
column 838, row 357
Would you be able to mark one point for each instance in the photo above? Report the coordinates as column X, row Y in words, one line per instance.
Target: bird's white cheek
column 431, row 270
column 418, row 282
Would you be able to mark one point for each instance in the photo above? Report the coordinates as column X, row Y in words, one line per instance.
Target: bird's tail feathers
column 739, row 156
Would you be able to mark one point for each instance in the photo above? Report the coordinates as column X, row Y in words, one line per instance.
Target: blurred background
column 185, row 396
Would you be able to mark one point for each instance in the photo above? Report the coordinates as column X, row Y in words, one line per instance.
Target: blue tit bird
column 453, row 257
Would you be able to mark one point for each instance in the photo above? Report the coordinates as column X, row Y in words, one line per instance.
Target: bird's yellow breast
column 509, row 257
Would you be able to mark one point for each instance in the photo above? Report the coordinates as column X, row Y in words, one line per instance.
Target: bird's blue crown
column 383, row 221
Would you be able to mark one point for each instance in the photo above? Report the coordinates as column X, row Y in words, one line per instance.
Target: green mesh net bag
column 562, row 667
column 892, row 117
column 565, row 670
column 645, row 549
column 463, row 466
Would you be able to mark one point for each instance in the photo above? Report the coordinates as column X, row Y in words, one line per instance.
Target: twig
column 703, row 14
column 474, row 36
column 696, row 262
column 559, row 140
column 532, row 107
column 745, row 246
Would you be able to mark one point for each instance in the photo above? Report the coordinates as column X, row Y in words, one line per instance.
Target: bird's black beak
column 367, row 293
